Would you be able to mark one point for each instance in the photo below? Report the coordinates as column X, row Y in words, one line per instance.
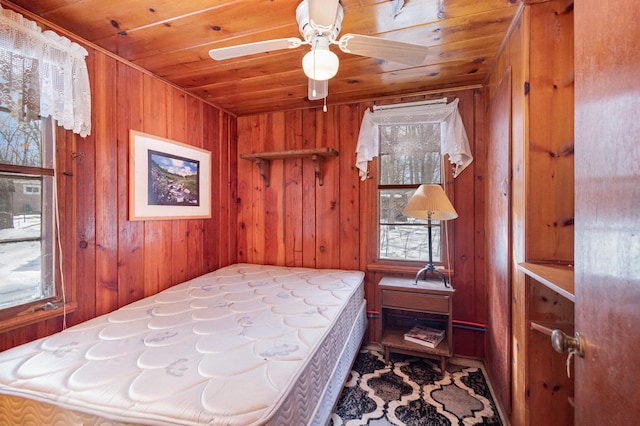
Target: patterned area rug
column 411, row 391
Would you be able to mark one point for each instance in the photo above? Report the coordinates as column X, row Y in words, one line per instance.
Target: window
column 409, row 156
column 41, row 75
column 27, row 235
column 31, row 188
column 411, row 141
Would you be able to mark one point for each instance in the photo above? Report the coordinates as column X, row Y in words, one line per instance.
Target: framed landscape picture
column 167, row 179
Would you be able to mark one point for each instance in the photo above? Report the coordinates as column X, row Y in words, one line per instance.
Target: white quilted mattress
column 246, row 344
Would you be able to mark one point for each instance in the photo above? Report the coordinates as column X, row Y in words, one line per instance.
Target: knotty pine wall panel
column 296, row 222
column 293, row 196
column 510, row 380
column 309, row 186
column 328, row 207
column 469, row 302
column 157, row 261
column 218, row 234
column 129, row 96
column 176, row 130
column 273, row 135
column 109, row 260
column 104, row 94
column 349, row 202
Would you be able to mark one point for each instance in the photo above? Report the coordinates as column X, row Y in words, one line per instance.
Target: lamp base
column 430, row 268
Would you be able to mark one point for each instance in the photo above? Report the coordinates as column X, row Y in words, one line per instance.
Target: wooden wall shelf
column 559, row 278
column 263, row 159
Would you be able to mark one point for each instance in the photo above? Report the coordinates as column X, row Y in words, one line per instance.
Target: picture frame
column 167, row 179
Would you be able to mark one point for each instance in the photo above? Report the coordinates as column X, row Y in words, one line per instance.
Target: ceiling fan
column 320, row 23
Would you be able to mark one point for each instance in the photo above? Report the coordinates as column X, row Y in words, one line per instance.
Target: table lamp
column 431, row 203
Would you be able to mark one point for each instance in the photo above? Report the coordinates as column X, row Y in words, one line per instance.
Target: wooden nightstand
column 404, row 296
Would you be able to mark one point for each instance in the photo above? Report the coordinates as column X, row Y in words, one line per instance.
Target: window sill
column 32, row 316
column 402, row 267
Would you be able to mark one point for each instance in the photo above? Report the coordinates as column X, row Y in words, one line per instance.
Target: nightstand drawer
column 415, row 301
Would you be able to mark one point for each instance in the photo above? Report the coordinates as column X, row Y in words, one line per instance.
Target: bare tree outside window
column 20, row 140
column 409, row 156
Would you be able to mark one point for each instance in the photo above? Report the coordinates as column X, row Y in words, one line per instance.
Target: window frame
column 62, row 301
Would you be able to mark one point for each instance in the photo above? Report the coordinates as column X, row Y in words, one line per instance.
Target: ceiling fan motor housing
column 309, row 29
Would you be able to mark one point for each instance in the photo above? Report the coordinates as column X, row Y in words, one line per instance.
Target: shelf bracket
column 263, row 167
column 317, row 165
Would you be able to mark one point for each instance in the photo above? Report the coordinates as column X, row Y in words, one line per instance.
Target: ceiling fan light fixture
column 320, row 64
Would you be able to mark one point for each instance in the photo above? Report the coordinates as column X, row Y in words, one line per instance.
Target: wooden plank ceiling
column 172, row 39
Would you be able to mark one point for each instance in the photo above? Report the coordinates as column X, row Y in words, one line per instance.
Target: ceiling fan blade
column 229, row 52
column 318, row 89
column 323, row 12
column 376, row 47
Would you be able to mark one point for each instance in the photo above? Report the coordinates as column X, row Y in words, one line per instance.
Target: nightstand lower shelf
column 393, row 341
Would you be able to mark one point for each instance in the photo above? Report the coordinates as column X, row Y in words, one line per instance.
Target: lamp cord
column 446, row 226
column 446, row 235
column 58, row 239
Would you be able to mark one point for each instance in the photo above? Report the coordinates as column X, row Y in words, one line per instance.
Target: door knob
column 573, row 345
column 563, row 343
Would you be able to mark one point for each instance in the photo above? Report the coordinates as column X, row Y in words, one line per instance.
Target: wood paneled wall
column 296, row 222
column 511, row 62
column 538, row 57
column 109, row 260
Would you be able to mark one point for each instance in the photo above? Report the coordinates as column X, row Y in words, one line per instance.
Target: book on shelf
column 426, row 336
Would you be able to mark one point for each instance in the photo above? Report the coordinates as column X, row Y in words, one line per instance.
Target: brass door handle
column 563, row 343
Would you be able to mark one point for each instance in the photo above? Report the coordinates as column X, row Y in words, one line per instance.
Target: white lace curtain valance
column 43, row 74
column 454, row 142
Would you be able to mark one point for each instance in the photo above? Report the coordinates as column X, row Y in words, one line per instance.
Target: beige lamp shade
column 430, row 202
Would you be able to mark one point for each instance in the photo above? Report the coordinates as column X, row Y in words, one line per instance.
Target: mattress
column 246, row 344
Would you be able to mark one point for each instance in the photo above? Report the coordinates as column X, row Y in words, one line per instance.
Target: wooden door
column 498, row 247
column 607, row 204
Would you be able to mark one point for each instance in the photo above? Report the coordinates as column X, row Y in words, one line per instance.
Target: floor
column 412, row 391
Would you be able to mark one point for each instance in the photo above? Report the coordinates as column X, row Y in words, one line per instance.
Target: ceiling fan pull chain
column 324, row 107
